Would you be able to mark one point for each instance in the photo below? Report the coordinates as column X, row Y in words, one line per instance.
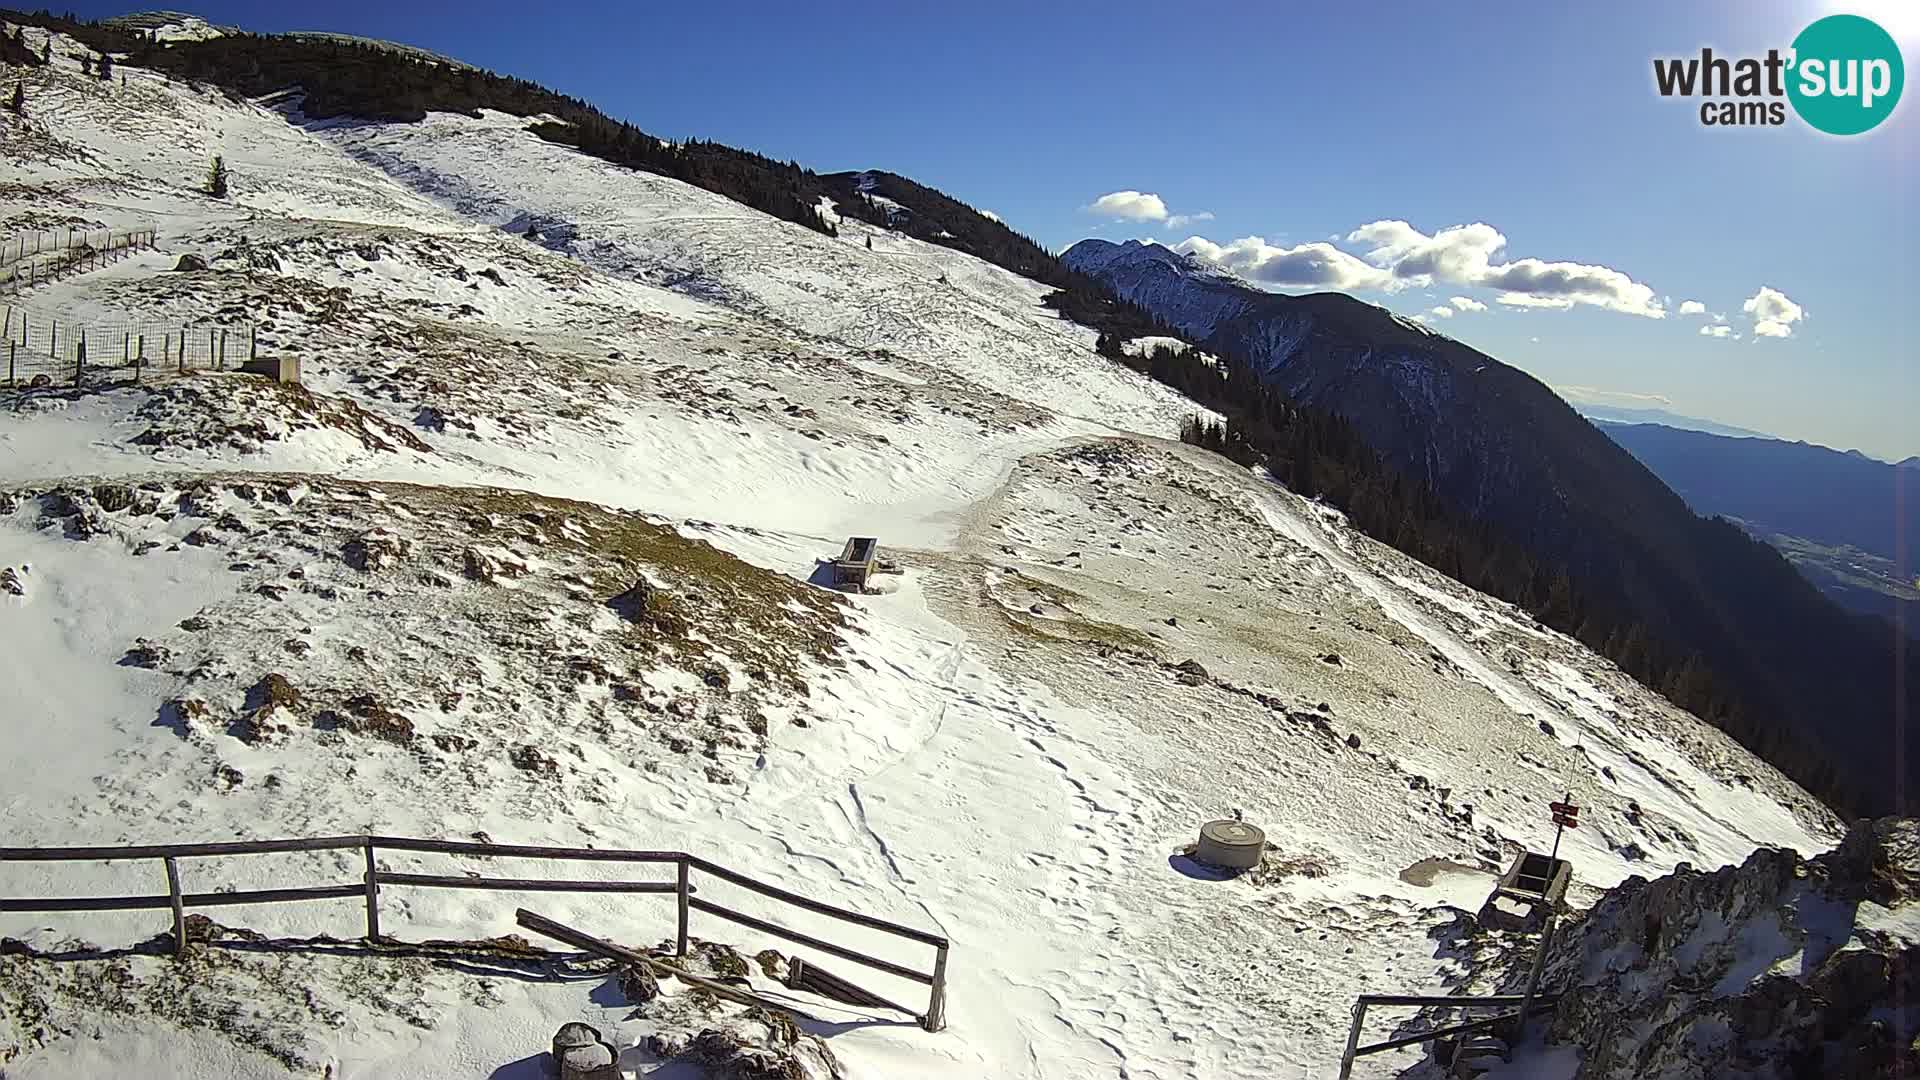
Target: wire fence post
column 139, row 356
column 179, row 909
column 80, row 357
column 373, row 896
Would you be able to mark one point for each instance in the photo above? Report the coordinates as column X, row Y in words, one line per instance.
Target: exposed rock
column 579, row 1053
column 1353, row 741
column 146, row 654
column 639, row 983
column 113, row 498
column 491, row 564
column 190, row 263
column 273, row 691
column 11, row 582
column 367, row 716
column 376, row 550
column 1766, row 969
column 528, row 758
column 1546, row 728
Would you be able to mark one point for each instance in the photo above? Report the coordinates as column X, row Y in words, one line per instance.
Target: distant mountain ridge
column 1500, row 446
column 1833, row 499
column 1615, row 414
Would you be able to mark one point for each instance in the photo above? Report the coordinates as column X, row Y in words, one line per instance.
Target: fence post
column 80, row 357
column 179, row 909
column 1353, row 1040
column 681, row 941
column 937, row 1004
column 210, row 361
column 183, row 351
column 53, row 341
column 223, row 347
column 10, row 348
column 139, row 356
column 373, row 897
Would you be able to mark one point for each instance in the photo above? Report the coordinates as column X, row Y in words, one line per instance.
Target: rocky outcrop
column 1781, row 967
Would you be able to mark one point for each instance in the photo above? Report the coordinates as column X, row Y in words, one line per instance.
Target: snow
column 1002, row 750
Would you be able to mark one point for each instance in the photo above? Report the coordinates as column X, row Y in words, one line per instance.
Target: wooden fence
column 71, row 352
column 682, row 887
column 45, row 254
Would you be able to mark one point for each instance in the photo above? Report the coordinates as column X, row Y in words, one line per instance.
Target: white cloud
column 1773, row 314
column 1310, row 265
column 1129, row 205
column 1178, row 220
column 1466, row 303
column 1718, row 330
column 1464, row 255
column 1692, row 307
column 1441, row 312
column 1528, row 300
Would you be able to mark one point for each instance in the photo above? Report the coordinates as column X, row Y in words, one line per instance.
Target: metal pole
column 1353, row 1040
column 1533, row 978
column 682, row 941
column 179, row 909
column 373, row 898
column 937, row 1004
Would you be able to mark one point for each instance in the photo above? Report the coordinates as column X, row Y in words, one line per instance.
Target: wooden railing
column 682, row 887
column 1521, row 1005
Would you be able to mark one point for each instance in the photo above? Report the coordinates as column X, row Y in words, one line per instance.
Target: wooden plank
column 179, row 908
column 544, row 926
column 272, row 896
column 798, row 938
column 797, row 900
column 818, row 980
column 163, row 851
column 521, row 851
column 1435, row 999
column 146, row 903
column 370, row 881
column 460, row 881
column 1446, row 1032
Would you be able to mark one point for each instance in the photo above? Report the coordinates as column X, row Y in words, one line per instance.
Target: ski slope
column 1000, row 746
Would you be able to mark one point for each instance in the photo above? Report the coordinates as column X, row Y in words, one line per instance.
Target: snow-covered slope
column 1100, row 638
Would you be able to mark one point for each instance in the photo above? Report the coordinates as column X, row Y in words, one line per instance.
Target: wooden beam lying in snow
column 558, row 931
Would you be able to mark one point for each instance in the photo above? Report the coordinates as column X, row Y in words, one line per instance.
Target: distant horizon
column 1552, row 210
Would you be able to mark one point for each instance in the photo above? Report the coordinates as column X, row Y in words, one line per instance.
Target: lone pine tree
column 217, row 178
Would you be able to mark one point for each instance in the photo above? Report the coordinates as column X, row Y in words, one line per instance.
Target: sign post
column 1565, row 816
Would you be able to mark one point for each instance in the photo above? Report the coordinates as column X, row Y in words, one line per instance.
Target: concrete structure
column 283, row 369
column 1535, row 881
column 857, row 562
column 1230, row 844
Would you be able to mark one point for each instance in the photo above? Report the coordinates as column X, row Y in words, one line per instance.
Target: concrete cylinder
column 1230, row 845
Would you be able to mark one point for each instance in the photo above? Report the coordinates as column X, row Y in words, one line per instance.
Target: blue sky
column 1302, row 124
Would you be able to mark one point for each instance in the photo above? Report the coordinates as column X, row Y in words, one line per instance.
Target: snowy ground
column 1000, row 747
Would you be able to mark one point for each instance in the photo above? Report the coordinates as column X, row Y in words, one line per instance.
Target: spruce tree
column 104, row 69
column 18, row 103
column 217, row 178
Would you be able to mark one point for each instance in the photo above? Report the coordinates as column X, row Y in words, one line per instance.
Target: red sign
column 1565, row 815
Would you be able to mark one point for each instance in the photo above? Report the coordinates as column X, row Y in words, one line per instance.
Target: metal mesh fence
column 36, row 347
column 27, row 259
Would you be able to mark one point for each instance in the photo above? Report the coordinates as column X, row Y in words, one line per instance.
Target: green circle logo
column 1846, row 74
